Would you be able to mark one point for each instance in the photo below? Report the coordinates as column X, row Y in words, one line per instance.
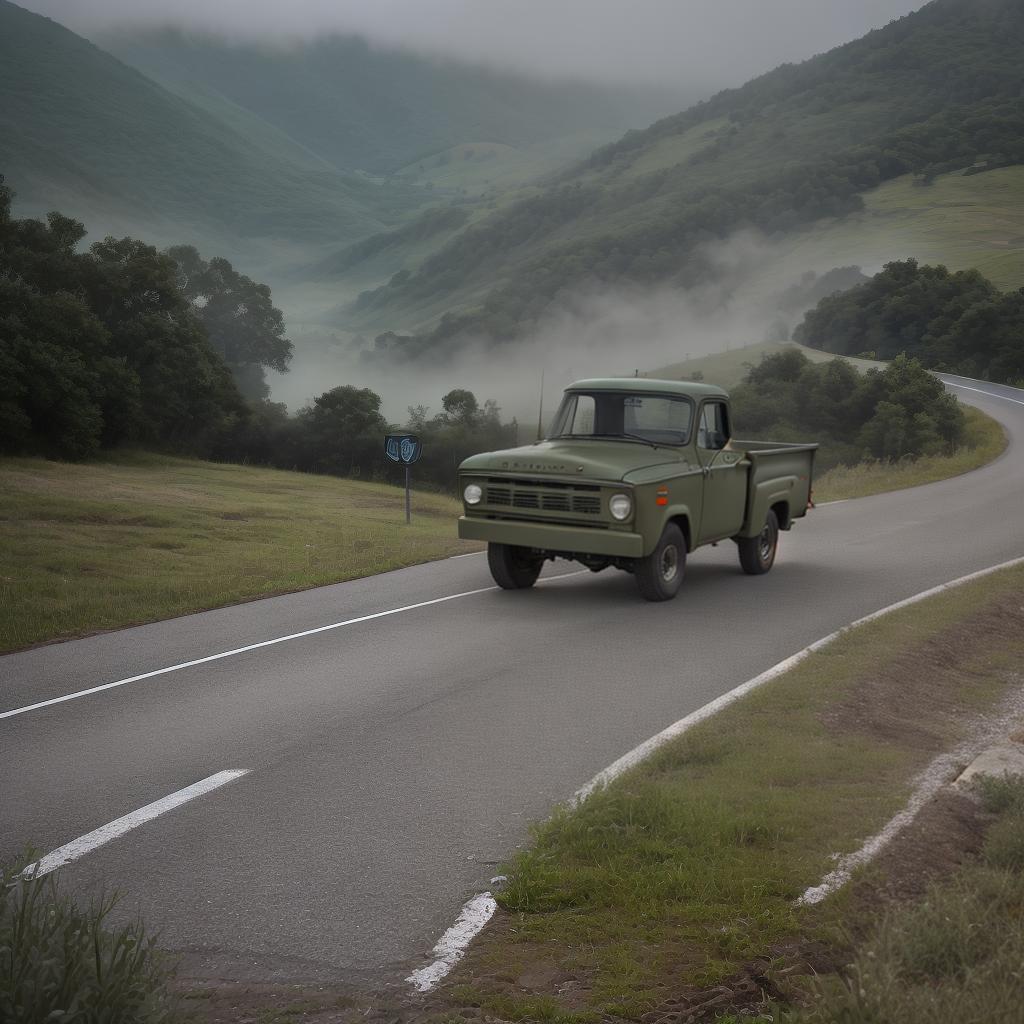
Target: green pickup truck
column 635, row 474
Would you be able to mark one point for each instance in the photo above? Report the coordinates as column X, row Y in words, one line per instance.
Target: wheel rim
column 767, row 543
column 669, row 563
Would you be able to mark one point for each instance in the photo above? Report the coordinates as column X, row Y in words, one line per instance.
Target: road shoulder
column 669, row 887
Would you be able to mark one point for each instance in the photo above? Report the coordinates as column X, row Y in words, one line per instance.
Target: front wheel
column 660, row 575
column 757, row 554
column 513, row 567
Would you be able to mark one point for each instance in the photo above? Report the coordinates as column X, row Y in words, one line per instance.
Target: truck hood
column 588, row 460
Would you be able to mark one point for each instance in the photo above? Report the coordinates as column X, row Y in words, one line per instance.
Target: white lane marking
column 236, row 650
column 468, row 554
column 451, row 947
column 645, row 749
column 115, row 829
column 252, row 647
column 425, row 978
column 982, row 391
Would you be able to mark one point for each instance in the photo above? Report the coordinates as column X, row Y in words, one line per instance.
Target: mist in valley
column 755, row 295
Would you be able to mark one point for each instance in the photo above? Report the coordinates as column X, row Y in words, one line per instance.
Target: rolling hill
column 789, row 155
column 385, row 111
column 84, row 133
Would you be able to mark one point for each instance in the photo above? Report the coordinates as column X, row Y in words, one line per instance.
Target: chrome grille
column 544, row 496
column 587, row 504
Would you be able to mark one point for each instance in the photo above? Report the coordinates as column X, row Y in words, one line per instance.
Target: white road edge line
column 645, row 749
column 982, row 391
column 929, row 781
column 451, row 947
column 479, row 910
column 115, row 829
column 263, row 643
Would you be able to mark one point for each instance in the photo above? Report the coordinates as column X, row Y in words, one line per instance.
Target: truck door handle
column 707, row 471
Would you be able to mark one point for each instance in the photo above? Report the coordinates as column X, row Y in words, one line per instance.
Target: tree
column 342, row 432
column 243, row 325
column 461, row 406
column 186, row 390
column 100, row 346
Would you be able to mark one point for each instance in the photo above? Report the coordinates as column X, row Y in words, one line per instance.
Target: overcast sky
column 719, row 42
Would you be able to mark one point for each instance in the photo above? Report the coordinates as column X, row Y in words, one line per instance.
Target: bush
column 59, row 962
column 901, row 412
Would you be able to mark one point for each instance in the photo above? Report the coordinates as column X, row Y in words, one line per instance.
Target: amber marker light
column 661, row 498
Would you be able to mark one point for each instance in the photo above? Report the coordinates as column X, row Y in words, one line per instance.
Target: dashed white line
column 451, row 947
column 115, row 829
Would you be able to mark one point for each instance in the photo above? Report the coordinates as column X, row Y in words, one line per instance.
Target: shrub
column 61, row 962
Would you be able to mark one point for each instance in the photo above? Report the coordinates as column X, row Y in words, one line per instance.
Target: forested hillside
column 81, row 131
column 363, row 108
column 957, row 322
column 936, row 92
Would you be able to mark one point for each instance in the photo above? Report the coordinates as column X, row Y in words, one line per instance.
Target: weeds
column 62, row 963
column 956, row 956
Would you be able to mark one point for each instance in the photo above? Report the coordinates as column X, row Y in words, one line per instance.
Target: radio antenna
column 540, row 409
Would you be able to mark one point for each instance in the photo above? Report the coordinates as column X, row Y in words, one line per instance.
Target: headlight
column 473, row 494
column 620, row 505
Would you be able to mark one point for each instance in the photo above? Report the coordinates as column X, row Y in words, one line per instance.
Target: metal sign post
column 405, row 449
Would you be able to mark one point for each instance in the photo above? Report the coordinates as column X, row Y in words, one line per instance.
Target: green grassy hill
column 142, row 537
column 84, row 133
column 973, row 221
column 934, row 93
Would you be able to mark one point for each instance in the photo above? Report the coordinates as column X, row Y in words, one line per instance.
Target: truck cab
column 634, row 474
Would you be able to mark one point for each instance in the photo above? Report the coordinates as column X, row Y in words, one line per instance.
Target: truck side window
column 712, row 434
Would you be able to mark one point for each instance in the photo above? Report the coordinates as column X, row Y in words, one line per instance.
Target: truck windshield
column 655, row 419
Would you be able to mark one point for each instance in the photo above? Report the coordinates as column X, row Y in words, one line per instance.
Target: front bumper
column 549, row 537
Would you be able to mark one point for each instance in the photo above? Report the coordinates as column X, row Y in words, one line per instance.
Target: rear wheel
column 757, row 554
column 660, row 575
column 513, row 567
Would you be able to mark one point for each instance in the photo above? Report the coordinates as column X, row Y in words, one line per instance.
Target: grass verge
column 985, row 441
column 954, row 955
column 661, row 890
column 111, row 544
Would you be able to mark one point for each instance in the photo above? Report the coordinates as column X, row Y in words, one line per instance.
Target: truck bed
column 780, row 473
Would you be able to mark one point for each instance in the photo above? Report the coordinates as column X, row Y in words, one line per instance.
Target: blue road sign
column 405, row 449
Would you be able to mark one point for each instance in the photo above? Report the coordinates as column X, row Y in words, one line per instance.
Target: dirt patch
column 912, row 698
column 251, row 1003
column 946, row 833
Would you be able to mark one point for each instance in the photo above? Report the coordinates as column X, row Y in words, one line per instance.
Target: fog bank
column 716, row 43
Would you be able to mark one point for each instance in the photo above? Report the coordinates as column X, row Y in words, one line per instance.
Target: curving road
column 395, row 760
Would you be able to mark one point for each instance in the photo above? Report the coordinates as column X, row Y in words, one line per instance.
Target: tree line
column 955, row 322
column 899, row 412
column 342, row 433
column 123, row 344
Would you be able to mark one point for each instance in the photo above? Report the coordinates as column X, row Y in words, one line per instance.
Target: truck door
column 725, row 475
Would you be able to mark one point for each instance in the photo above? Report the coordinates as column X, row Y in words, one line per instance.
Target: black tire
column 757, row 554
column 513, row 568
column 660, row 575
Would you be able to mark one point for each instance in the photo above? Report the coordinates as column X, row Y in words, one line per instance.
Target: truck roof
column 672, row 387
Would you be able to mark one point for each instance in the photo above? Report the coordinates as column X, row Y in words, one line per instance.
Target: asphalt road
column 396, row 761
